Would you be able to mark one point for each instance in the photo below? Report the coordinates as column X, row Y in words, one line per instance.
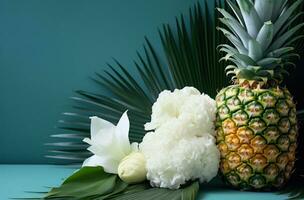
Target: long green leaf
column 92, row 183
column 190, row 58
column 188, row 192
column 252, row 20
column 88, row 183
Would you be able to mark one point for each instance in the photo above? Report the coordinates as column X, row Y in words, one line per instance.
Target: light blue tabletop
column 18, row 180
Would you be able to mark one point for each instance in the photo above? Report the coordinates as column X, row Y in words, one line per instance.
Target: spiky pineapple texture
column 257, row 136
column 262, row 33
column 256, row 119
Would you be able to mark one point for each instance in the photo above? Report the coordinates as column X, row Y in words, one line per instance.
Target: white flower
column 182, row 146
column 109, row 143
column 185, row 105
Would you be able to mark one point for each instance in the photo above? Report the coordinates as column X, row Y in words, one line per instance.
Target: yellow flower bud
column 132, row 169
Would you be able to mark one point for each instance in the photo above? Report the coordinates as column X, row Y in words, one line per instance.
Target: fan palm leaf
column 190, row 58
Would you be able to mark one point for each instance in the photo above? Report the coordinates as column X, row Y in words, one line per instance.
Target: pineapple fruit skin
column 257, row 136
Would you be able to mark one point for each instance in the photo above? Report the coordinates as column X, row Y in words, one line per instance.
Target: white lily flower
column 109, row 143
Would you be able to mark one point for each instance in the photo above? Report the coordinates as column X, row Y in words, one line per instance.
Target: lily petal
column 109, row 143
column 122, row 133
column 114, row 151
column 104, row 137
column 110, row 166
column 101, row 140
column 98, row 123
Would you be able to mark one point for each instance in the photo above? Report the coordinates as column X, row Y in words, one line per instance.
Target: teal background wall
column 50, row 48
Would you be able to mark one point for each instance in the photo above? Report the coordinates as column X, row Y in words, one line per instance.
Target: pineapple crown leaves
column 262, row 33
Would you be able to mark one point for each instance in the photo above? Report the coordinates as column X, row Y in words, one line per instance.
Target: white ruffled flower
column 185, row 105
column 109, row 143
column 182, row 146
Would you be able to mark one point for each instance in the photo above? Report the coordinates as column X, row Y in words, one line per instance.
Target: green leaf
column 285, row 16
column 290, row 22
column 264, row 9
column 189, row 57
column 269, row 61
column 92, row 183
column 265, row 35
column 188, row 192
column 237, row 12
column 184, row 61
column 237, row 29
column 88, row 183
column 279, row 52
column 251, row 17
column 234, row 40
column 255, row 50
column 286, row 36
column 244, row 59
column 277, row 9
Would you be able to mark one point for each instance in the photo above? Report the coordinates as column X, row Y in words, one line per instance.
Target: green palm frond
column 93, row 183
column 190, row 58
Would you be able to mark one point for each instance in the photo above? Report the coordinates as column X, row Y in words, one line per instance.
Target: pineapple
column 256, row 118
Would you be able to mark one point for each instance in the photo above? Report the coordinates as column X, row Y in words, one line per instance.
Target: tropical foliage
column 92, row 183
column 189, row 57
